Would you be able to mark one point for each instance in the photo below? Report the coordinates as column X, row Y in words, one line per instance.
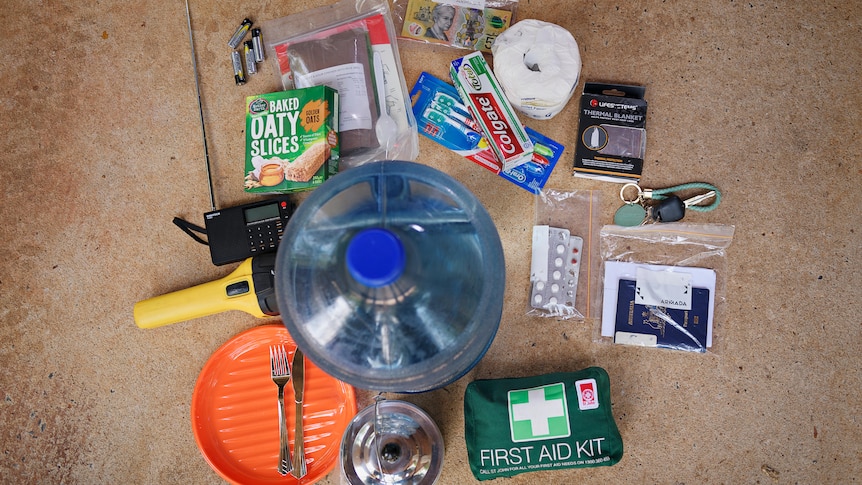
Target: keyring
column 636, row 200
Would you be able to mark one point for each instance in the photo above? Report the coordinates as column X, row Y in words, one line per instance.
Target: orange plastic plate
column 235, row 411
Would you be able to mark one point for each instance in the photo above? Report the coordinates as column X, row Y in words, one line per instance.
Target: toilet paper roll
column 538, row 65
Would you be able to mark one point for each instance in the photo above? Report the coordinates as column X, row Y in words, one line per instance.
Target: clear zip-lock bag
column 565, row 259
column 663, row 285
column 350, row 46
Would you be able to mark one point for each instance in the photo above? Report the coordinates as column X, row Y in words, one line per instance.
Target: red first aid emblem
column 587, row 394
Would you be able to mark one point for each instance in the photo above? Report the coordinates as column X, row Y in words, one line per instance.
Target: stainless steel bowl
column 393, row 443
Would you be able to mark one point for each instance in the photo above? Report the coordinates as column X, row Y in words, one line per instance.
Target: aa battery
column 257, row 43
column 250, row 64
column 238, row 74
column 239, row 34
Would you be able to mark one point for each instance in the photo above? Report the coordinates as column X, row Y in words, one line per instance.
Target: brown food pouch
column 348, row 47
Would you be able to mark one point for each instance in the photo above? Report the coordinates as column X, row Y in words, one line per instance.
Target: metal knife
column 298, row 373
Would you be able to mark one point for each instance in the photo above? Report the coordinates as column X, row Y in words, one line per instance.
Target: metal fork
column 281, row 376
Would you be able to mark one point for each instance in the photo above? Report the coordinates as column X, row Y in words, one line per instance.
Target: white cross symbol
column 537, row 410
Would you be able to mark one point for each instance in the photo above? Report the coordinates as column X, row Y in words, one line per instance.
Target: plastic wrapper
column 663, row 284
column 336, row 46
column 463, row 24
column 565, row 256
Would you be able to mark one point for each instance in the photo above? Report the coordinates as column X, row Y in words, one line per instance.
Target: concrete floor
column 101, row 148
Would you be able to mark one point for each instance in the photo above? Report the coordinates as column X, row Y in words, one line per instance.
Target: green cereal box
column 291, row 140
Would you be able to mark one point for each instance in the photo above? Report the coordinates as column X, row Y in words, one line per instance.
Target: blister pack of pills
column 556, row 261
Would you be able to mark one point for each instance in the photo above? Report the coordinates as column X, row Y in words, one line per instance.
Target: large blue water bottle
column 390, row 277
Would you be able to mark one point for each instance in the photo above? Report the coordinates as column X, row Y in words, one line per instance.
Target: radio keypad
column 264, row 235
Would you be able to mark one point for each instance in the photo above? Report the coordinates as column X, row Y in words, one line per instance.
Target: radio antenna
column 200, row 108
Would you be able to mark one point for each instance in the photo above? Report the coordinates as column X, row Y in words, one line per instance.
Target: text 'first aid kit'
column 547, row 422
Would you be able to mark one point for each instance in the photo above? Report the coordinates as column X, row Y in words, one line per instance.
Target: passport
column 669, row 328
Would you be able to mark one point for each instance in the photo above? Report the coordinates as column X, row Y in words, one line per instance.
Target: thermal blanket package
column 538, row 65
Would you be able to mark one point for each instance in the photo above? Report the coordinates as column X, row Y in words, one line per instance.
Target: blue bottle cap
column 375, row 257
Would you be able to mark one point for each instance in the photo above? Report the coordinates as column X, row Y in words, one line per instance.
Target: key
column 673, row 208
column 697, row 199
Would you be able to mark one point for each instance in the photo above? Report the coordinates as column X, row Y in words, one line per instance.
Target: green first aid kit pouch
column 546, row 422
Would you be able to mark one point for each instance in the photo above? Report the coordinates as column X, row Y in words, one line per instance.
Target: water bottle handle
column 388, row 187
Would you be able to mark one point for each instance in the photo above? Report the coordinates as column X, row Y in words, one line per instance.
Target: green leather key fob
column 630, row 215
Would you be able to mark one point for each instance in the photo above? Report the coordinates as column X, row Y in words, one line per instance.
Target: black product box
column 611, row 133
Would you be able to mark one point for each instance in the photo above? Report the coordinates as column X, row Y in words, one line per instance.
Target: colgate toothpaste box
column 481, row 92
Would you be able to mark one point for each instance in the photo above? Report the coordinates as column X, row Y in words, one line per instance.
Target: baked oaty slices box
column 291, row 140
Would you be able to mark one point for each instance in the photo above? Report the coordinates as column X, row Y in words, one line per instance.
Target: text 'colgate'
column 493, row 117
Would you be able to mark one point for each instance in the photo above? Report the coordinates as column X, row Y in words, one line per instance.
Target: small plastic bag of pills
column 565, row 258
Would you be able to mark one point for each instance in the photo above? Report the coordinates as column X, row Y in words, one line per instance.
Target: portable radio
column 244, row 231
